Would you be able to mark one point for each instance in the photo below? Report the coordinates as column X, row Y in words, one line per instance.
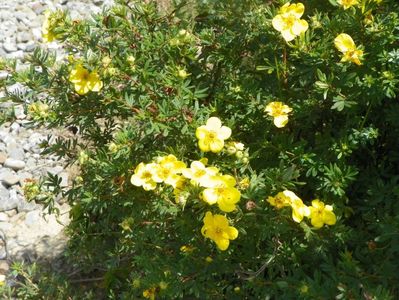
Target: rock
column 55, row 170
column 4, row 266
column 64, row 179
column 30, row 46
column 19, row 112
column 25, row 206
column 24, row 177
column 16, row 55
column 9, row 47
column 14, row 164
column 11, row 213
column 6, row 203
column 15, row 151
column 15, row 127
column 32, row 218
column 3, row 217
column 3, row 157
column 23, row 37
column 5, row 226
column 3, row 75
column 10, row 179
column 3, row 250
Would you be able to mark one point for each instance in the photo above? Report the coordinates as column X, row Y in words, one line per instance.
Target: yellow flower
column 222, row 192
column 321, row 214
column 167, row 170
column 279, row 112
column 347, row 3
column 212, row 135
column 299, row 210
column 143, row 176
column 150, row 293
column 288, row 21
column 345, row 44
column 282, row 199
column 199, row 174
column 216, row 227
column 84, row 80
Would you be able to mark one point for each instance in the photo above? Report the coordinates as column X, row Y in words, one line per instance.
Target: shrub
column 229, row 149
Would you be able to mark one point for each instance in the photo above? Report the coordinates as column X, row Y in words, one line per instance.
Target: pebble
column 19, row 112
column 10, row 179
column 3, row 157
column 3, row 217
column 14, row 164
column 24, row 233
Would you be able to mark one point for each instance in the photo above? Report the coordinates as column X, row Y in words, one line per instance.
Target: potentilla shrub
column 228, row 149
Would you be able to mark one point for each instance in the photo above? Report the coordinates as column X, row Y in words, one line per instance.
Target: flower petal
column 299, row 27
column 281, row 121
column 343, row 42
column 216, row 145
column 278, row 23
column 222, row 244
column 210, row 196
column 213, row 123
column 224, row 133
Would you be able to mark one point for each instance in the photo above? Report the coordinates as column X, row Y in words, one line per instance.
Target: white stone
column 3, row 217
column 14, row 164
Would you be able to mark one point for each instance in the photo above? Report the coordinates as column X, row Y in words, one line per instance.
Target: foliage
column 158, row 77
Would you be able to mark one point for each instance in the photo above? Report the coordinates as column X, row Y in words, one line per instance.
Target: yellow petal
column 136, row 180
column 226, row 206
column 210, row 196
column 95, row 84
column 281, row 121
column 224, row 133
column 222, row 244
column 149, row 185
column 299, row 27
column 201, row 132
column 329, row 217
column 317, row 222
column 343, row 42
column 81, row 88
column 213, row 123
column 292, row 196
column 288, row 35
column 317, row 204
column 295, row 10
column 278, row 23
column 204, row 145
column 232, row 232
column 216, row 145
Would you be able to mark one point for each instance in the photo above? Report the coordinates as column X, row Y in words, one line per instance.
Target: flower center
column 147, row 175
column 212, row 135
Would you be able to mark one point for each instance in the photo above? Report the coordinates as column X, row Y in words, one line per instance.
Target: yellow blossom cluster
column 288, row 22
column 279, row 111
column 319, row 213
column 216, row 187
